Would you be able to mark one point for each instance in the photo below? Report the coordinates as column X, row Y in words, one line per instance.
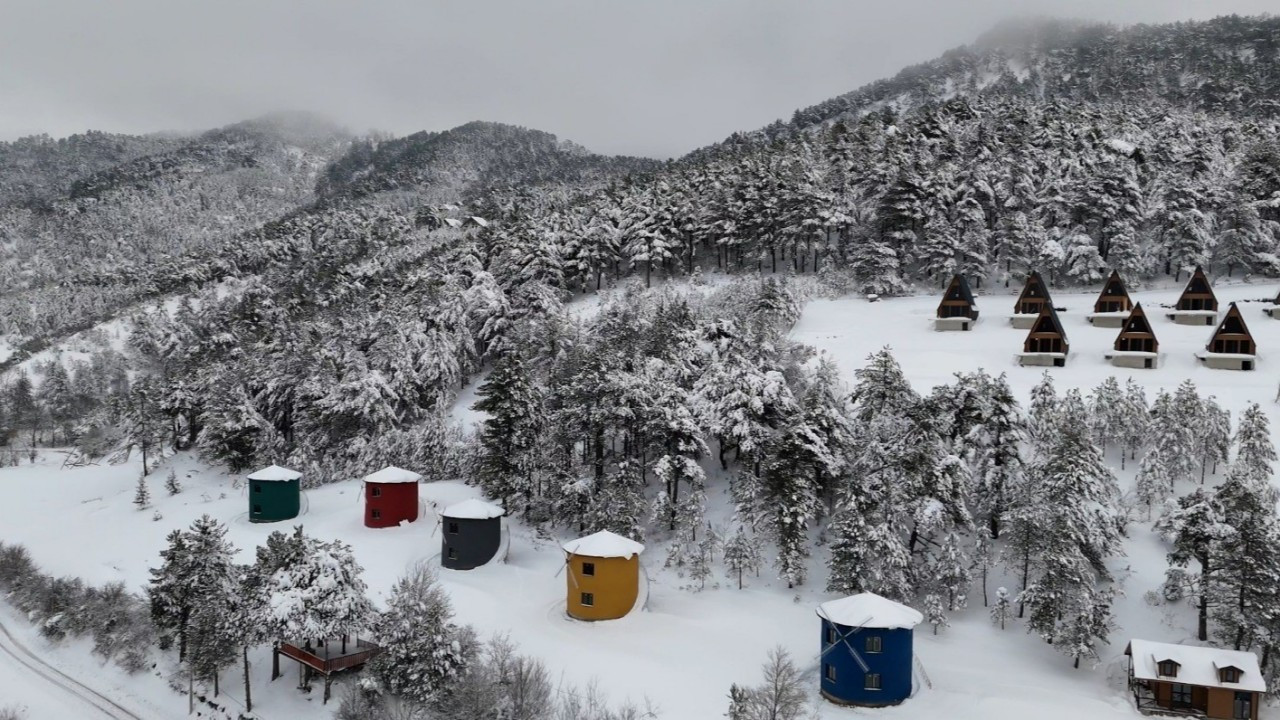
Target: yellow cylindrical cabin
column 602, row 576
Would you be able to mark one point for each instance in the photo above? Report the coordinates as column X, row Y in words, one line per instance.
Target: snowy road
column 63, row 691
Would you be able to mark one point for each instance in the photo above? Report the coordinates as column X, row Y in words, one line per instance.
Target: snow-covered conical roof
column 392, row 474
column 472, row 509
column 871, row 611
column 275, row 473
column 604, row 544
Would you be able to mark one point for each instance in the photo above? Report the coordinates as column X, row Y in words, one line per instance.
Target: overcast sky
column 645, row 77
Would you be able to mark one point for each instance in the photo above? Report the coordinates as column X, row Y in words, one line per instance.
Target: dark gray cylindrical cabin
column 471, row 534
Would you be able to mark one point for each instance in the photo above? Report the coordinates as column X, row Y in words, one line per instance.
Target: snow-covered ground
column 688, row 647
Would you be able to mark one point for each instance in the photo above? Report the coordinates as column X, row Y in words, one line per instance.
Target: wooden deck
column 324, row 659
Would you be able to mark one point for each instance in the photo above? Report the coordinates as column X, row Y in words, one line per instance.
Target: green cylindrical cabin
column 274, row 494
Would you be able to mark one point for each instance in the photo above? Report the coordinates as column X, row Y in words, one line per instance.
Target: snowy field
column 688, row 647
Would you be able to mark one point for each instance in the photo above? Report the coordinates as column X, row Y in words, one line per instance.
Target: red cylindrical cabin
column 390, row 497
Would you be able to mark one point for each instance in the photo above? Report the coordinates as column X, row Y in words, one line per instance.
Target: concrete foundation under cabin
column 1042, row 359
column 1108, row 320
column 1137, row 360
column 955, row 323
column 1023, row 321
column 1228, row 361
column 1194, row 317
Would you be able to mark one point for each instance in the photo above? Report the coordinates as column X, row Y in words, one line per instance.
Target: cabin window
column 453, row 528
column 829, row 671
column 588, row 599
column 832, row 638
column 1168, row 668
column 452, row 554
column 257, row 508
column 588, row 568
column 375, row 491
column 1180, row 695
column 257, row 488
column 874, row 644
column 376, row 514
column 1242, row 707
column 873, row 681
column 1230, row 674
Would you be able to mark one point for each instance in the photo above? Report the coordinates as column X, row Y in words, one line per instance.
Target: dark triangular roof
column 1048, row 323
column 1232, row 324
column 1034, row 288
column 1113, row 287
column 959, row 290
column 1137, row 323
column 1198, row 284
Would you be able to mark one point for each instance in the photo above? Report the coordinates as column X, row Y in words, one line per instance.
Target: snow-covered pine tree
column 1086, row 624
column 951, row 576
column 1215, row 437
column 881, row 388
column 1001, row 608
column 996, row 457
column 742, row 554
column 935, row 612
column 422, row 655
column 1196, row 528
column 510, row 433
column 1155, row 480
column 171, row 484
column 170, row 593
column 1042, row 412
column 1135, row 421
column 214, row 578
column 142, row 494
column 1105, row 406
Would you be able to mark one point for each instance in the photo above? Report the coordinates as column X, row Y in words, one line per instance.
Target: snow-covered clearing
column 688, row 647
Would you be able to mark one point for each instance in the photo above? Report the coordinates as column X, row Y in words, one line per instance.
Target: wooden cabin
column 1274, row 310
column 867, row 650
column 603, row 576
column 1034, row 296
column 1113, row 305
column 1197, row 305
column 1168, row 679
column 958, row 310
column 1136, row 345
column 1232, row 346
column 1046, row 344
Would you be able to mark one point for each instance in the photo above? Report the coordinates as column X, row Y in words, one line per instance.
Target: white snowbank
column 275, row 473
column 391, row 474
column 871, row 611
column 604, row 544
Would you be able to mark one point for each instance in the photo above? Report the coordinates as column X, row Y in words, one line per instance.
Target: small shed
column 275, row 494
column 1232, row 346
column 390, row 497
column 1197, row 305
column 1136, row 345
column 1189, row 680
column 867, row 650
column 1033, row 298
column 958, row 310
column 603, row 576
column 1113, row 305
column 1046, row 344
column 472, row 534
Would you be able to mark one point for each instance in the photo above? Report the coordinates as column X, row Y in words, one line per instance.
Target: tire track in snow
column 19, row 653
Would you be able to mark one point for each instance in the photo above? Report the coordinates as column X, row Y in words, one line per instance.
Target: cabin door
column 1242, row 708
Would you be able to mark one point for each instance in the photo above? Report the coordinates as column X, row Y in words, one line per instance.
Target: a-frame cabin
column 1112, row 307
column 1232, row 346
column 1197, row 305
column 1046, row 344
column 1136, row 345
column 958, row 310
column 1034, row 296
column 1274, row 310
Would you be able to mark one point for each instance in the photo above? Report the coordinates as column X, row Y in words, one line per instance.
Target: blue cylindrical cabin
column 867, row 650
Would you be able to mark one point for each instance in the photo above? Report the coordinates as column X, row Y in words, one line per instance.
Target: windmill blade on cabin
column 844, row 640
